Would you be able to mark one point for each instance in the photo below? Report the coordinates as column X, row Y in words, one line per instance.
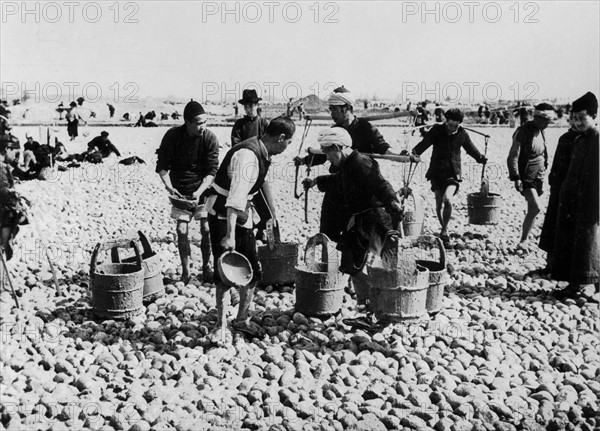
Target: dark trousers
column 334, row 216
column 245, row 244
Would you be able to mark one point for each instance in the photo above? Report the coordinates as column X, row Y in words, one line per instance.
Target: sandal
column 251, row 329
column 361, row 322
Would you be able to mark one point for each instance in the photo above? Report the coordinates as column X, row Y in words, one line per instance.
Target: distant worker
column 300, row 111
column 251, row 124
column 102, row 145
column 73, row 118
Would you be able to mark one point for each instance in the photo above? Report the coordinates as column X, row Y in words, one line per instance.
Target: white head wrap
column 340, row 99
column 331, row 136
column 548, row 115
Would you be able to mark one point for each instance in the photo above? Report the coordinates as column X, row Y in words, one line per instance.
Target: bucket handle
column 273, row 234
column 391, row 243
column 434, row 241
column 146, row 248
column 109, row 245
column 330, row 260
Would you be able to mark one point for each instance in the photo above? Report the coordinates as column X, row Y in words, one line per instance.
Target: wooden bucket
column 414, row 216
column 117, row 288
column 319, row 284
column 278, row 260
column 484, row 209
column 397, row 292
column 438, row 275
column 153, row 284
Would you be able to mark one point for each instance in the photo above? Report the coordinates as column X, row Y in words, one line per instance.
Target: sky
column 457, row 51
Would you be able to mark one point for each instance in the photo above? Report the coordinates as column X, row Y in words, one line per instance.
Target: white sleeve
column 243, row 171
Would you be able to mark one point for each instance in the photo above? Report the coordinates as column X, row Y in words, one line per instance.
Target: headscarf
column 341, row 99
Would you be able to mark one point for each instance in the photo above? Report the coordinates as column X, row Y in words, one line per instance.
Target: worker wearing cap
column 9, row 217
column 527, row 162
column 188, row 159
column 576, row 257
column 369, row 197
column 240, row 176
column 365, row 138
column 250, row 124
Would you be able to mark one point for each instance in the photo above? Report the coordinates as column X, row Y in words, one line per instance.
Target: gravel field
column 503, row 354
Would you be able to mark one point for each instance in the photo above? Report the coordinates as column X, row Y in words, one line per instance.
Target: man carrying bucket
column 445, row 167
column 188, row 159
column 369, row 197
column 240, row 176
column 364, row 138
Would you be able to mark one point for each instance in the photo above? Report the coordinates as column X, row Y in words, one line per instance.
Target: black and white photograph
column 299, row 215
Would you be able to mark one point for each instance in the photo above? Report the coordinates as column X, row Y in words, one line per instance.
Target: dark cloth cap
column 191, row 110
column 104, row 133
column 9, row 141
column 341, row 89
column 544, row 107
column 249, row 96
column 587, row 102
column 73, row 104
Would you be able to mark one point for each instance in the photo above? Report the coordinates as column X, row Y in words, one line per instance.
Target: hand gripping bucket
column 278, row 260
column 153, row 284
column 117, row 288
column 319, row 284
column 438, row 275
column 398, row 285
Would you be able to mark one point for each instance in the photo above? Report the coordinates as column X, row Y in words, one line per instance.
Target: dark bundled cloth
column 365, row 194
column 189, row 159
column 558, row 172
column 446, row 153
column 247, row 127
column 576, row 254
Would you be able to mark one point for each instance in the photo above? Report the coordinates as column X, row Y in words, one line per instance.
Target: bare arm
column 206, row 182
column 164, row 176
column 228, row 242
